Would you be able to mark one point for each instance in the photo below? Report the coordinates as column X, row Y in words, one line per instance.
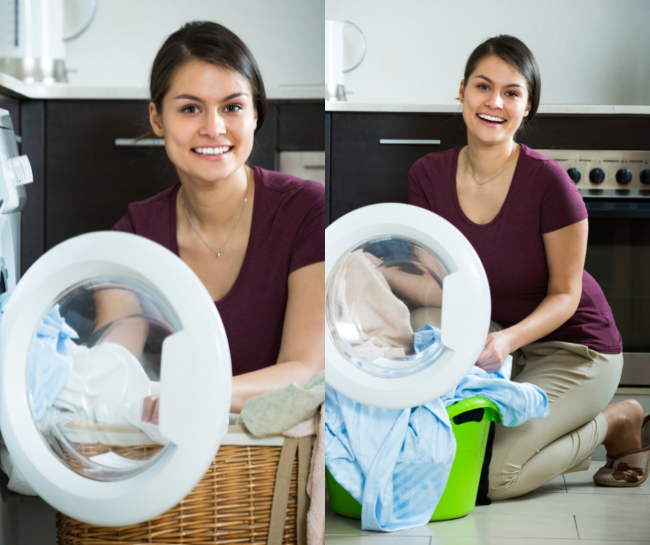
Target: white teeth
column 490, row 118
column 212, row 151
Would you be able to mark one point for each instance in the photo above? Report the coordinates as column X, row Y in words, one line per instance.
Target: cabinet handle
column 410, row 142
column 132, row 142
column 314, row 167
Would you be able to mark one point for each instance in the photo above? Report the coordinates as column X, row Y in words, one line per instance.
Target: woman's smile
column 213, row 153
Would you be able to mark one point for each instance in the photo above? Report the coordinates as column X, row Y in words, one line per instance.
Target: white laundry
column 107, row 385
column 380, row 319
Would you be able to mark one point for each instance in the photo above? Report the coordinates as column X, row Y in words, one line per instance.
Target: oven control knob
column 645, row 177
column 623, row 176
column 597, row 176
column 574, row 174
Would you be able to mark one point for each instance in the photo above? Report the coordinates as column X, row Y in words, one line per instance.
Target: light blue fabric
column 396, row 462
column 425, row 338
column 50, row 359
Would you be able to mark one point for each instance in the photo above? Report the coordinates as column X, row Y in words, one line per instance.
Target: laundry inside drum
column 384, row 305
column 93, row 367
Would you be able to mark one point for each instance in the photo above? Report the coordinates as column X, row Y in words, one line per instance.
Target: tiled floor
column 566, row 510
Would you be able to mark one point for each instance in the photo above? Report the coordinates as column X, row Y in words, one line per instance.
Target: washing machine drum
column 407, row 306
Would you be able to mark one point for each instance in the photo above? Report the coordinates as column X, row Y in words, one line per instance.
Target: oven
column 615, row 185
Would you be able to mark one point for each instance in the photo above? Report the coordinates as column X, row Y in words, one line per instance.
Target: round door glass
column 93, row 377
column 384, row 305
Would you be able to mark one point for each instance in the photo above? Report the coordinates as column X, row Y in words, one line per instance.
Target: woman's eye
column 233, row 108
column 482, row 86
column 190, row 109
column 512, row 94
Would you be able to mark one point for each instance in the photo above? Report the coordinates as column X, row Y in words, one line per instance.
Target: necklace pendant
column 479, row 186
column 218, row 254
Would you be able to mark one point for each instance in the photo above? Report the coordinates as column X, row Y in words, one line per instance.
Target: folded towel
column 277, row 411
column 316, row 485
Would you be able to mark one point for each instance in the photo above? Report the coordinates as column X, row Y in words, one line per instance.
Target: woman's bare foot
column 624, row 420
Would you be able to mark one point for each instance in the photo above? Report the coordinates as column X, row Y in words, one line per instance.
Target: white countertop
column 456, row 108
column 63, row 91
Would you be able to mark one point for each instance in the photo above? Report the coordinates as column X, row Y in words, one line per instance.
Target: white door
column 407, row 306
column 73, row 389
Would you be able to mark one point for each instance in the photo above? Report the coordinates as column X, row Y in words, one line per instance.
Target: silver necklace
column 512, row 155
column 218, row 252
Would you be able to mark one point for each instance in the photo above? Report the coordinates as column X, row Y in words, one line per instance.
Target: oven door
column 618, row 257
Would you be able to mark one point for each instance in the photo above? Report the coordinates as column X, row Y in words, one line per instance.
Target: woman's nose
column 214, row 125
column 495, row 100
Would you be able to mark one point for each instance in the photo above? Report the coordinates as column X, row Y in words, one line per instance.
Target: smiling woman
column 255, row 238
column 527, row 222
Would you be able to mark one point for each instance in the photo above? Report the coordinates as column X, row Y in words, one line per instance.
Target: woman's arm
column 302, row 352
column 565, row 251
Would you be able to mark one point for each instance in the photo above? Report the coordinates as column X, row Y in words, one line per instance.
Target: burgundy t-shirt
column 542, row 198
column 287, row 233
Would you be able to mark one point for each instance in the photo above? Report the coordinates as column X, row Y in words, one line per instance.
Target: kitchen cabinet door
column 89, row 181
column 363, row 171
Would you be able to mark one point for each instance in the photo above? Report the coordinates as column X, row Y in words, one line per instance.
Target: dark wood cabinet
column 361, row 171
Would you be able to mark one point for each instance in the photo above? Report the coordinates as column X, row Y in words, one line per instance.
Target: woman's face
column 495, row 100
column 208, row 121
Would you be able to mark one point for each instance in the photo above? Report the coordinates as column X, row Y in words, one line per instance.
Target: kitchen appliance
column 31, row 42
column 374, row 243
column 169, row 337
column 335, row 66
column 615, row 185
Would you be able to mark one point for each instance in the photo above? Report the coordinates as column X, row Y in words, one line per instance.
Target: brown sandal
column 628, row 468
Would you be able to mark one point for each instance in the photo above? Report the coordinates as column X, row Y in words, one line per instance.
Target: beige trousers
column 579, row 383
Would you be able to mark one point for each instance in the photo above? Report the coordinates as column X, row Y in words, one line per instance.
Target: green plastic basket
column 459, row 496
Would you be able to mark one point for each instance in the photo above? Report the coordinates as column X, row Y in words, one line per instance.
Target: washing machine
column 67, row 410
column 407, row 306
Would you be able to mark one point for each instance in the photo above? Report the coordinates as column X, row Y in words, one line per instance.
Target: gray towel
column 277, row 411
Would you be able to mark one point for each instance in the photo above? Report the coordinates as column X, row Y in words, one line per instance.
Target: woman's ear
column 461, row 91
column 154, row 119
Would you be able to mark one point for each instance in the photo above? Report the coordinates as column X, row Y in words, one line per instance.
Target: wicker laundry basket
column 254, row 492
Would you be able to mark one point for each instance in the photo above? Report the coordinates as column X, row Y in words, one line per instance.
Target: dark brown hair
column 212, row 43
column 516, row 54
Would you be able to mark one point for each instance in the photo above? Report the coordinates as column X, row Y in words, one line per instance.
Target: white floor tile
column 377, row 540
column 612, row 527
column 495, row 525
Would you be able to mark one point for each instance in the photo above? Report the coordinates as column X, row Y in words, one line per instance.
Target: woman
column 255, row 238
column 528, row 224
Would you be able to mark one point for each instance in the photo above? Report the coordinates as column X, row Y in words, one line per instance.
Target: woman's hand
column 150, row 409
column 497, row 348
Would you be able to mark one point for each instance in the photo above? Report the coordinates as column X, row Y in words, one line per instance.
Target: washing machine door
column 97, row 327
column 407, row 306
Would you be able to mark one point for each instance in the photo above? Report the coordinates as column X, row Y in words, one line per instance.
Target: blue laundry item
column 396, row 462
column 426, row 337
column 50, row 359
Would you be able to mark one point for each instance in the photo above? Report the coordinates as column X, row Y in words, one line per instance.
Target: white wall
column 285, row 36
column 588, row 51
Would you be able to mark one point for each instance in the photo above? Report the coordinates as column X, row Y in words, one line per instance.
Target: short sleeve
column 416, row 195
column 561, row 203
column 309, row 242
column 125, row 224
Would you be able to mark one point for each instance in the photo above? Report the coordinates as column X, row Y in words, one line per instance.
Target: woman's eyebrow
column 490, row 82
column 197, row 99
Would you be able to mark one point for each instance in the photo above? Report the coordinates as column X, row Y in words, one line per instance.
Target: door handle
column 134, row 142
column 390, row 141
